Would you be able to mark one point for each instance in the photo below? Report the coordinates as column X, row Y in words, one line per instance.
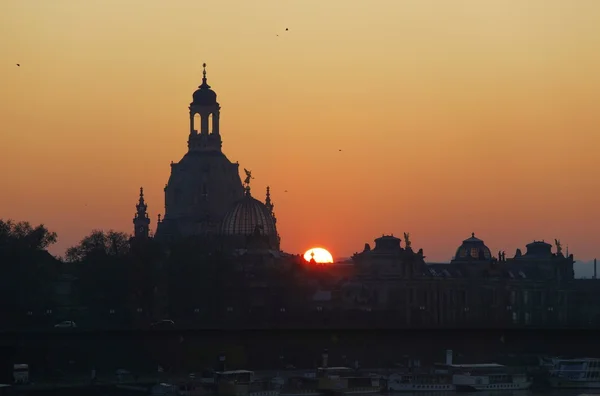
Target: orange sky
column 453, row 116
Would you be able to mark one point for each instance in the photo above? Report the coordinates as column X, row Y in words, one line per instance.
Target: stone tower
column 141, row 221
column 204, row 185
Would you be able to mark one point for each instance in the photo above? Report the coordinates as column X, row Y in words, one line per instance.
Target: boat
column 583, row 373
column 243, row 383
column 416, row 379
column 305, row 385
column 346, row 381
column 488, row 377
column 420, row 382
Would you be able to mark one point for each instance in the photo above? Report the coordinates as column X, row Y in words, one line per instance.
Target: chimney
column 448, row 357
column 595, row 273
column 325, row 356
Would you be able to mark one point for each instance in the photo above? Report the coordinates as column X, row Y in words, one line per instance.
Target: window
column 525, row 297
column 515, row 317
column 527, row 318
column 475, row 253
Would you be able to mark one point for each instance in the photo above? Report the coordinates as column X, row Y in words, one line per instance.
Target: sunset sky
column 452, row 116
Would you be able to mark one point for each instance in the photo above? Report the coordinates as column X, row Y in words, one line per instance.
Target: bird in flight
column 18, row 64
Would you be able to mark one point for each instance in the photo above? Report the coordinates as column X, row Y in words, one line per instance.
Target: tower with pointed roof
column 204, row 119
column 204, row 184
column 141, row 221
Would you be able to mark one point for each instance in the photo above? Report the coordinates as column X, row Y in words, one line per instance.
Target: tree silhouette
column 28, row 271
column 99, row 244
column 22, row 236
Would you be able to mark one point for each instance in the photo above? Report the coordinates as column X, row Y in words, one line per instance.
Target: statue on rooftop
column 407, row 239
column 248, row 176
column 558, row 247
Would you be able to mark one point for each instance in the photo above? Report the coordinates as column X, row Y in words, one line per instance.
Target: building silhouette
column 389, row 285
column 205, row 196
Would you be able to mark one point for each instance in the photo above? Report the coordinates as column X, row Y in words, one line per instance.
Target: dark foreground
column 58, row 355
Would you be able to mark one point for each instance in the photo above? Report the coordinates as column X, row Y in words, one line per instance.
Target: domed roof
column 473, row 249
column 539, row 249
column 249, row 216
column 204, row 96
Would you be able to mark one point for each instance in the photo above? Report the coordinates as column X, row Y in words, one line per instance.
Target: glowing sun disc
column 320, row 255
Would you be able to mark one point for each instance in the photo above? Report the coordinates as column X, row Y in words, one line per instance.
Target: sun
column 319, row 254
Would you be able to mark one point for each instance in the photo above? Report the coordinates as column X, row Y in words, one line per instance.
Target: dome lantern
column 204, row 96
column 472, row 249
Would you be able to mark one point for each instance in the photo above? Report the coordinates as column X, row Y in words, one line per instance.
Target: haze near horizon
column 451, row 117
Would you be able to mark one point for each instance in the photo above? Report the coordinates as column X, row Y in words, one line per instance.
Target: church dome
column 473, row 249
column 204, row 96
column 247, row 217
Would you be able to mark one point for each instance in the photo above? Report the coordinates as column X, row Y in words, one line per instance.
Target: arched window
column 475, row 253
column 197, row 122
column 210, row 123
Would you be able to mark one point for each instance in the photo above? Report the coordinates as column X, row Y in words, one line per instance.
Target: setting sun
column 319, row 254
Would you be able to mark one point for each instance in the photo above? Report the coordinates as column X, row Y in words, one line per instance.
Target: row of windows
column 490, row 296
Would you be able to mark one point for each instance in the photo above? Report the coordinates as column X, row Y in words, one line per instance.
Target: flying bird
column 286, row 29
column 18, row 64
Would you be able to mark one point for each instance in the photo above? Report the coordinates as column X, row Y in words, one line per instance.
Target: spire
column 204, row 83
column 141, row 205
column 141, row 221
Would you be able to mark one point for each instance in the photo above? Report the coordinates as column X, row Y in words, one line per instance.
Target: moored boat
column 243, row 383
column 301, row 386
column 345, row 380
column 416, row 379
column 488, row 377
column 581, row 373
column 420, row 382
